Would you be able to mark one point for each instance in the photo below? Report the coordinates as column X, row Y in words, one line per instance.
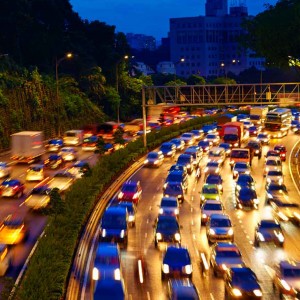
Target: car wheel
column 155, row 243
column 280, row 244
column 256, row 242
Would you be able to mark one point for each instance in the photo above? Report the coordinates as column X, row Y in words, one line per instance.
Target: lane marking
column 211, row 296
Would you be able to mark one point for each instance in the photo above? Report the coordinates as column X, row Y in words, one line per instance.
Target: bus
column 279, row 120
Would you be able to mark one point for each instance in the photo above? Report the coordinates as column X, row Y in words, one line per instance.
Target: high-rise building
column 141, row 41
column 210, row 44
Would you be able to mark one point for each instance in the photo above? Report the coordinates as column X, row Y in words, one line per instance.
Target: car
column 131, row 210
column 213, row 138
column 107, row 289
column 276, row 191
column 239, row 155
column 240, row 168
column 272, row 154
column 35, row 173
column 217, row 154
column 182, row 289
column 39, row 197
column 205, row 145
column 219, row 228
column 131, row 191
column 268, row 231
column 114, row 225
column 169, row 206
column 246, row 197
column 209, row 192
column 54, row 161
column 197, row 154
column 174, row 189
column 167, row 230
column 154, row 159
column 256, row 148
column 177, row 177
column 294, row 124
column 227, row 148
column 5, row 259
column 287, row 278
column 90, row 143
column 212, row 167
column 13, row 230
column 225, row 256
column 215, row 179
column 264, row 138
column 285, row 211
column 107, row 262
column 54, row 145
column 62, row 180
column 272, row 165
column 296, row 129
column 179, row 168
column 247, row 124
column 12, row 188
column 5, row 170
column 187, row 161
column 179, row 143
column 241, row 117
column 168, row 149
column 188, row 138
column 79, row 169
column 254, row 130
column 244, row 180
column 282, row 150
column 68, row 154
column 210, row 207
column 198, row 134
column 210, row 128
column 274, row 176
column 242, row 283
column 176, row 262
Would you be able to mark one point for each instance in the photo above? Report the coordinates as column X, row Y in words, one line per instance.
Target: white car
column 272, row 165
column 275, row 176
column 5, row 170
column 213, row 138
column 35, row 173
column 68, row 153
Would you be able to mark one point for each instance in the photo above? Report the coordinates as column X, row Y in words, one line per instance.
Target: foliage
column 175, row 82
column 223, row 80
column 100, row 145
column 118, row 136
column 196, row 80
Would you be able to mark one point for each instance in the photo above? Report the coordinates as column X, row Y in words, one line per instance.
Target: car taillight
column 15, row 187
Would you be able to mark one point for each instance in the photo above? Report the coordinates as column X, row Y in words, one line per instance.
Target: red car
column 131, row 191
column 12, row 188
column 282, row 151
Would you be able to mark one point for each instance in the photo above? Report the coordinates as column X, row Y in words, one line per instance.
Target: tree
column 118, row 136
column 174, row 82
column 196, row 80
column 223, row 80
column 100, row 146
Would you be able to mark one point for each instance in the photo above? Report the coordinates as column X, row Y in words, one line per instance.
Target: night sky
column 150, row 17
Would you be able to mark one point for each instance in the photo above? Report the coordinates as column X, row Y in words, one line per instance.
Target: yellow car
column 35, row 173
column 13, row 231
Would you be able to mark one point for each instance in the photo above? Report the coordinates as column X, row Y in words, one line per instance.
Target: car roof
column 107, row 249
column 115, row 210
column 262, row 222
column 166, row 217
column 289, row 264
column 226, row 246
column 169, row 199
column 130, row 183
column 212, row 201
column 219, row 216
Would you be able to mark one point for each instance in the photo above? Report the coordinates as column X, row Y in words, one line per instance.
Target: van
column 218, row 154
column 73, row 137
column 239, row 154
column 114, row 225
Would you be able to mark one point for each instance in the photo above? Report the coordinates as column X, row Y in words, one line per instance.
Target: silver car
column 275, row 176
column 219, row 228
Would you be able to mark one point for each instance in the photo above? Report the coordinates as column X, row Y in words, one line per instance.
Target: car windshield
column 166, row 147
column 127, row 205
column 263, row 136
column 40, row 191
column 209, row 190
column 168, row 203
column 91, row 139
column 239, row 154
column 66, row 150
column 183, row 160
column 274, row 173
column 152, row 155
column 107, row 260
column 229, row 253
column 178, row 256
column 279, row 148
column 242, row 277
column 175, row 177
column 272, row 162
column 113, row 221
column 291, row 272
column 129, row 188
column 177, row 168
column 230, row 137
column 215, row 153
column 220, row 223
column 3, row 165
column 192, row 153
column 212, row 206
column 276, row 187
column 212, row 164
column 187, row 135
column 211, row 136
column 241, row 166
column 225, row 146
column 203, row 143
column 247, row 193
column 54, row 157
column 36, row 169
column 173, row 188
column 10, row 182
column 62, row 175
column 213, row 179
column 269, row 225
column 244, row 179
column 254, row 117
column 165, row 224
column 55, row 142
column 253, row 145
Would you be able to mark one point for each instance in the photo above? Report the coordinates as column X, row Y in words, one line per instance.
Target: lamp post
column 182, row 59
column 68, row 55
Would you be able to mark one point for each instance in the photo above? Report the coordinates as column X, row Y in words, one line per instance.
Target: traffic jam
column 178, row 226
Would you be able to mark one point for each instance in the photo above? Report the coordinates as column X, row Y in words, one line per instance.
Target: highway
column 141, row 238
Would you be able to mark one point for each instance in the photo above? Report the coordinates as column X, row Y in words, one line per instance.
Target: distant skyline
column 150, row 17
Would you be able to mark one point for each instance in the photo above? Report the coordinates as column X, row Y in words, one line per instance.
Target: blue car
column 176, row 262
column 107, row 289
column 54, row 145
column 244, row 180
column 182, row 289
column 247, row 198
column 179, row 143
column 211, row 128
column 205, row 145
column 187, row 161
column 168, row 149
column 215, row 179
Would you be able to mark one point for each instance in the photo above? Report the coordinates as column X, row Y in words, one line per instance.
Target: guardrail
column 294, row 163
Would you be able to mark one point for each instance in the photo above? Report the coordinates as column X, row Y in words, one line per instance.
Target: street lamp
column 68, row 55
column 182, row 59
column 222, row 65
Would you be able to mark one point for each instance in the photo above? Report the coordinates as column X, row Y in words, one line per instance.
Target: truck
column 232, row 133
column 73, row 137
column 134, row 126
column 258, row 114
column 27, row 146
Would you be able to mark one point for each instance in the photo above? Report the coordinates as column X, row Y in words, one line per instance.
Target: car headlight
column 257, row 293
column 95, row 275
column 155, row 162
column 117, row 274
column 103, row 233
column 238, row 187
column 285, row 285
column 204, row 216
column 256, row 151
column 211, row 231
column 220, row 186
column 270, row 196
column 169, row 153
column 261, row 237
column 176, row 211
column 217, row 198
column 188, row 166
column 161, row 211
column 188, row 269
column 166, row 269
column 224, row 267
column 230, row 231
column 165, row 185
column 219, row 161
column 256, row 201
column 268, row 180
column 279, row 236
column 236, row 292
column 235, row 144
column 121, row 194
column 217, row 170
column 202, row 197
column 131, row 218
column 177, row 236
column 206, row 169
column 283, row 216
column 146, row 161
column 122, row 233
column 158, row 236
column 267, row 169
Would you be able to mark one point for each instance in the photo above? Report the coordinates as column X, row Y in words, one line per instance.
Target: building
column 166, row 67
column 141, row 41
column 209, row 44
column 141, row 67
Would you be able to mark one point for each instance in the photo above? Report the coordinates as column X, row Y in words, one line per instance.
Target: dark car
column 197, row 154
column 282, row 151
column 90, row 143
column 131, row 191
column 242, row 283
column 276, row 191
column 167, row 230
column 176, row 263
column 182, row 289
column 154, row 159
column 131, row 210
column 54, row 161
column 215, row 179
column 244, row 180
column 198, row 134
column 107, row 289
column 253, row 130
column 268, row 231
column 54, row 145
column 174, row 189
column 178, row 168
column 12, row 188
column 239, row 168
column 177, row 177
column 186, row 160
column 255, row 147
column 179, row 143
column 211, row 128
column 168, row 149
column 246, row 198
column 205, row 145
column 227, row 148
